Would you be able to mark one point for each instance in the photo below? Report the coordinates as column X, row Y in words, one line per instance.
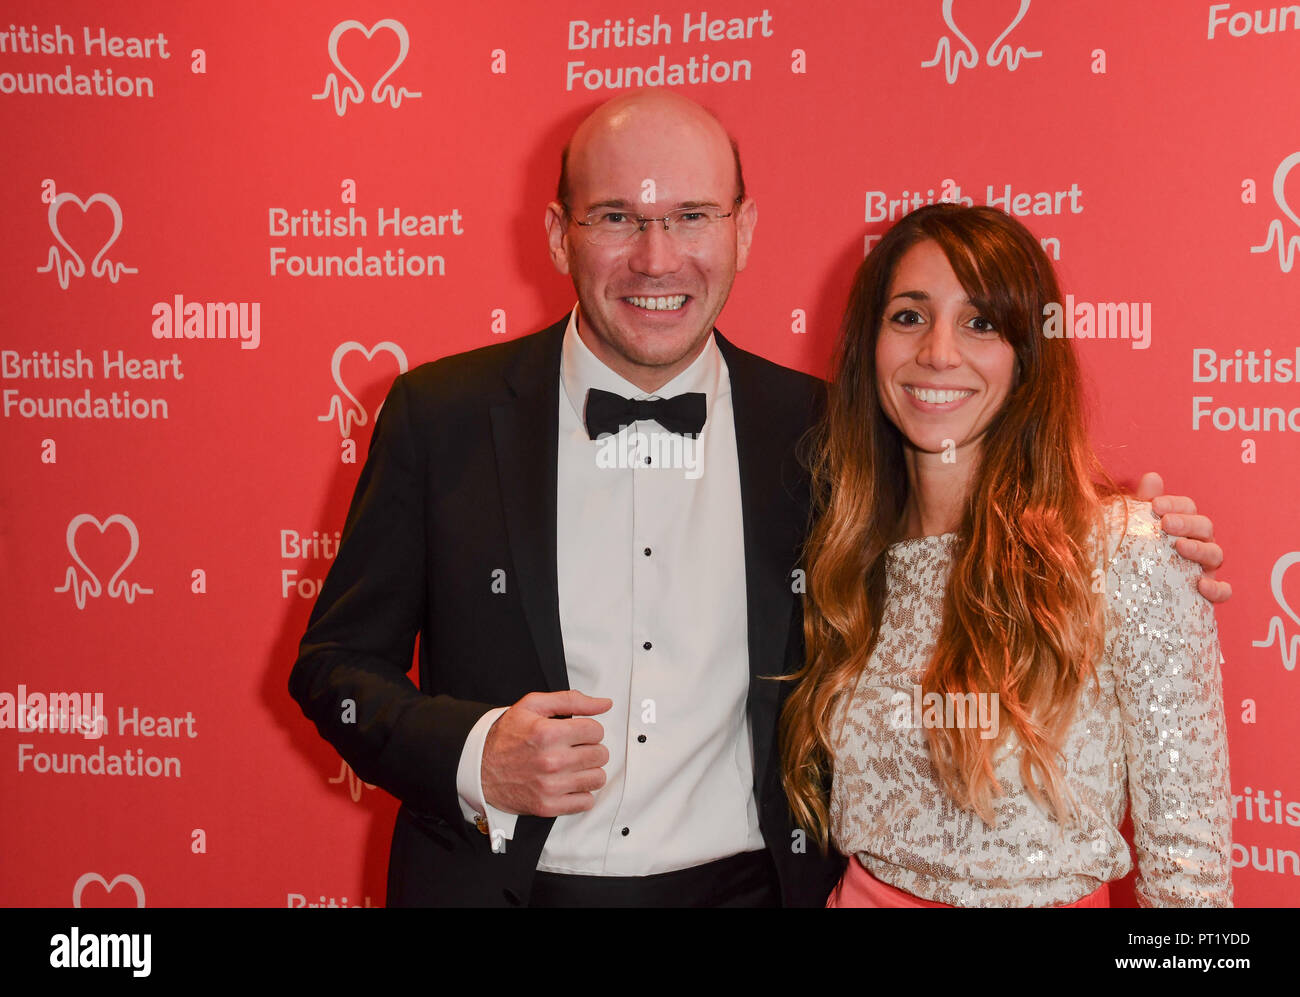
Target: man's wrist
column 498, row 825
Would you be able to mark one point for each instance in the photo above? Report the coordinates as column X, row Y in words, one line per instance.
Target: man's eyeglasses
column 614, row 226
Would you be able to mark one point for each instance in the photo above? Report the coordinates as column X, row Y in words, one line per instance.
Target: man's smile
column 659, row 303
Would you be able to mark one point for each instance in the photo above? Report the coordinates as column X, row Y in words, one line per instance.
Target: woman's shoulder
column 1131, row 527
column 1141, row 561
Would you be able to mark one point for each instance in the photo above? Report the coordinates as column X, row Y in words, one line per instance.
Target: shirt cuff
column 469, row 785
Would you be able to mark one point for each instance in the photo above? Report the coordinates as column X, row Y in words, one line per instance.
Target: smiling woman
column 943, row 368
column 968, row 550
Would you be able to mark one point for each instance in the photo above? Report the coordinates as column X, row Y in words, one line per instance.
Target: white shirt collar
column 581, row 370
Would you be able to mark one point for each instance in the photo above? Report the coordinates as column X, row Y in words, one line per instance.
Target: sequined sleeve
column 1163, row 646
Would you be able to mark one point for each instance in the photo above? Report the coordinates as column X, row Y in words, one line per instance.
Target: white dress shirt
column 652, row 591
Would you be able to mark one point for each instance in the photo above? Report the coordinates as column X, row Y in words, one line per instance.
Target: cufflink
column 498, row 836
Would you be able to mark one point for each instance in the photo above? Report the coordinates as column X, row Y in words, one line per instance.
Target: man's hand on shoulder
column 543, row 756
column 1178, row 518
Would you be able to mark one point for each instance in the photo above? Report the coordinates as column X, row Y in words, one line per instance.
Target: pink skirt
column 858, row 888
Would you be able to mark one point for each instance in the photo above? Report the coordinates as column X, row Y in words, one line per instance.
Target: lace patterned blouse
column 1153, row 736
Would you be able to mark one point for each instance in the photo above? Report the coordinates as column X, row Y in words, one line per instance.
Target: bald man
column 594, row 531
column 602, row 587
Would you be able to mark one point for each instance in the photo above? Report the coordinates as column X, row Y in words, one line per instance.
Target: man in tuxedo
column 594, row 531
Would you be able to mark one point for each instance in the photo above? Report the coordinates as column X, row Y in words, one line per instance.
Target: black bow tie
column 608, row 412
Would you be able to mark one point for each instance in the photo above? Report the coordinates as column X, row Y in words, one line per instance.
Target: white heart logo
column 79, row 521
column 357, row 415
column 403, row 46
column 1279, row 569
column 993, row 59
column 355, row 782
column 949, row 20
column 1279, row 185
column 94, row 877
column 97, row 266
column 968, row 56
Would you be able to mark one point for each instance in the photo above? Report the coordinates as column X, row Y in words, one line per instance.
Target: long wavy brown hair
column 1021, row 617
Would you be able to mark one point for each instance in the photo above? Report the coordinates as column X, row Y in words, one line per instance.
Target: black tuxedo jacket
column 457, row 496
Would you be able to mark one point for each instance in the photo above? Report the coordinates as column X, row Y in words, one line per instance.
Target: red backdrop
column 165, row 466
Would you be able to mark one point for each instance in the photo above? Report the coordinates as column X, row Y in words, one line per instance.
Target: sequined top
column 1153, row 735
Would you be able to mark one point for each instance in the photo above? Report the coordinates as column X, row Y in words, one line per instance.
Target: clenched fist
column 543, row 756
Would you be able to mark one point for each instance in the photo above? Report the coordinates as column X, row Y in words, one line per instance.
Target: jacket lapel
column 525, row 430
column 773, row 528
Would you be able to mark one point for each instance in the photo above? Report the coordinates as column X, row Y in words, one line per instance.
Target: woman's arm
column 1164, row 648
